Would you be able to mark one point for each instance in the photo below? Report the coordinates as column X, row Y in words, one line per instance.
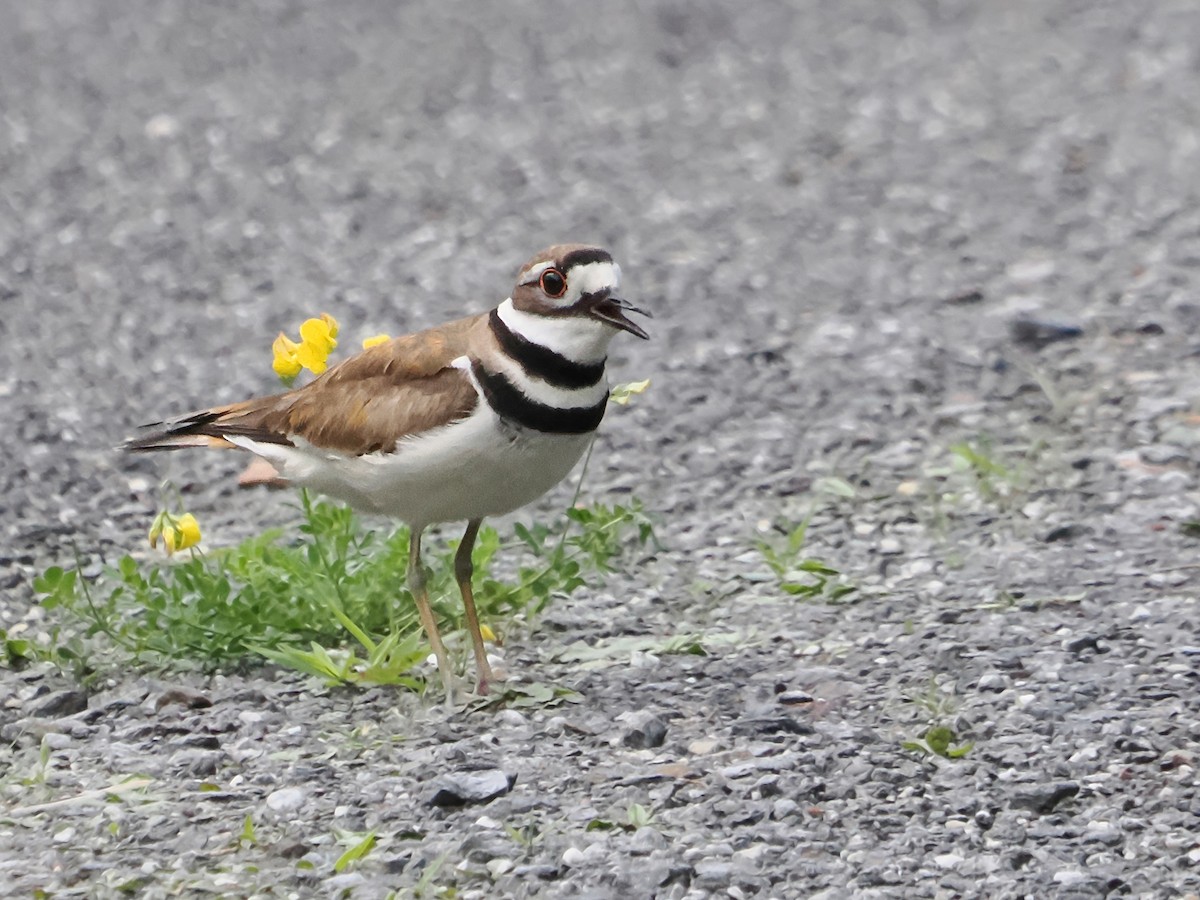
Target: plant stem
column 339, row 608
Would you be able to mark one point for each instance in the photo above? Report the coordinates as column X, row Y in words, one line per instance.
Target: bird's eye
column 553, row 283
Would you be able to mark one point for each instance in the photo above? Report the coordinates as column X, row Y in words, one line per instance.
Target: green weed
column 801, row 575
column 936, row 707
column 359, row 844
column 332, row 602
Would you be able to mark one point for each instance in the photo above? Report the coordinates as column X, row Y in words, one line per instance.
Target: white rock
column 1084, row 754
column 1070, row 877
column 890, row 547
column 783, row 807
column 752, row 855
column 500, row 866
column 286, row 799
column 56, row 740
column 161, row 126
column 512, row 718
column 992, row 681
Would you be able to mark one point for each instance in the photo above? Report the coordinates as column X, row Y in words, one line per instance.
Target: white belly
column 468, row 470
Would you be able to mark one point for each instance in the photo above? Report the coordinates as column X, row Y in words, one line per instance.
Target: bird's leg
column 417, row 585
column 463, row 570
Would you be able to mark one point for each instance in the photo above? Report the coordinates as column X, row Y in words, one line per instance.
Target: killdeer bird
column 473, row 418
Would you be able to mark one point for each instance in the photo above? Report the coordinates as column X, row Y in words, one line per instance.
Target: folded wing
column 364, row 405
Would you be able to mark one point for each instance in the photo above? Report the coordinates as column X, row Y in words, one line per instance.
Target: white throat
column 579, row 338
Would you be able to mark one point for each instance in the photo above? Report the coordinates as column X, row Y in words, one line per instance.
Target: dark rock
column 293, row 849
column 198, row 763
column 713, row 874
column 394, row 865
column 681, row 875
column 57, row 704
column 185, row 697
column 481, row 846
column 1036, row 334
column 542, row 871
column 771, row 725
column 1081, row 643
column 793, row 698
column 1065, row 533
column 198, row 741
column 965, row 298
column 461, row 788
column 1043, row 798
column 643, row 730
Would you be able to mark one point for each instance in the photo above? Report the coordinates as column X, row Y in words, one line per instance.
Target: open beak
column 612, row 310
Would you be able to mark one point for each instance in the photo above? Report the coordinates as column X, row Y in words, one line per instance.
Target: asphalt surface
column 840, row 215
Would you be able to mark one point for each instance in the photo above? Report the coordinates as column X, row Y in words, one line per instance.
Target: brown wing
column 363, row 405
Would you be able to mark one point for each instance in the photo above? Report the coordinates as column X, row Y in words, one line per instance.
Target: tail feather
column 207, row 428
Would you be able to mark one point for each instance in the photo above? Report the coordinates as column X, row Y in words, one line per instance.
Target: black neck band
column 512, row 405
column 542, row 362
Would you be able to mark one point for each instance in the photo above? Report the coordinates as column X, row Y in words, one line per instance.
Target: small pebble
column 286, row 799
column 642, row 730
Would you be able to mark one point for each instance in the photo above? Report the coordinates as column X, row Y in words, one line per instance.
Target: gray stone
column 642, row 730
column 646, row 840
column 59, row 703
column 713, row 874
column 286, row 799
column 461, row 788
column 1044, row 798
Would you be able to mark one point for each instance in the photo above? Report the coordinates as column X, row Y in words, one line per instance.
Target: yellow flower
column 318, row 338
column 177, row 533
column 320, row 334
column 487, row 634
column 375, row 341
column 621, row 394
column 311, row 357
column 286, row 365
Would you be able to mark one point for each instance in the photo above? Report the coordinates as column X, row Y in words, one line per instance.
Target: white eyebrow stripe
column 535, row 272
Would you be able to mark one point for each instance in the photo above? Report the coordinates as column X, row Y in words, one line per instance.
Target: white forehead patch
column 592, row 277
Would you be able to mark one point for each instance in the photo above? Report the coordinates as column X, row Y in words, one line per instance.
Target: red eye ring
column 553, row 283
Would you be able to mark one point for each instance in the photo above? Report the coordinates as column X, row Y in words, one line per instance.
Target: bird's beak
column 612, row 310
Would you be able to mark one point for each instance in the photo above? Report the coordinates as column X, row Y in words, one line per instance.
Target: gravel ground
column 868, row 232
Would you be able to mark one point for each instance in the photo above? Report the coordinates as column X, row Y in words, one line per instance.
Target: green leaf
column 939, row 739
column 835, row 487
column 356, row 852
column 637, row 815
column 57, row 587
